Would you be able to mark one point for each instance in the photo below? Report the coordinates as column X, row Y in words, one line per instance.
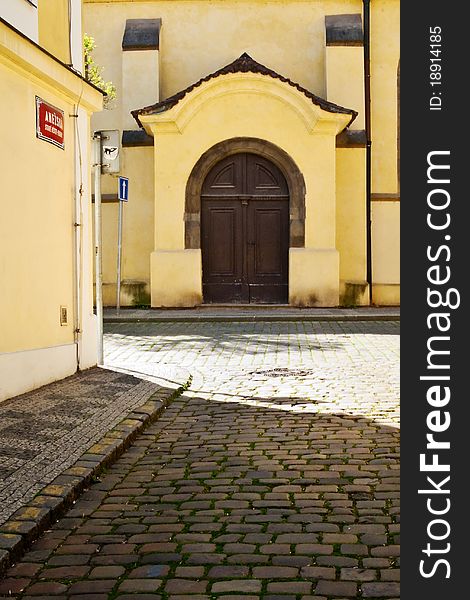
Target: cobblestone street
column 291, row 366
column 274, row 476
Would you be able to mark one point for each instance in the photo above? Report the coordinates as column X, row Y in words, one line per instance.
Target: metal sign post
column 98, row 262
column 123, row 197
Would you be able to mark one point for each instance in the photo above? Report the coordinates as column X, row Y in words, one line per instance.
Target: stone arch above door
column 292, row 174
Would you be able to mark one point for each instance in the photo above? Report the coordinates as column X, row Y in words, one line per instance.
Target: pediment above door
column 244, row 76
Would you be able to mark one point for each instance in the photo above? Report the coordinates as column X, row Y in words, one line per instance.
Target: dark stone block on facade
column 138, row 137
column 142, row 34
column 352, row 138
column 344, row 30
column 106, row 198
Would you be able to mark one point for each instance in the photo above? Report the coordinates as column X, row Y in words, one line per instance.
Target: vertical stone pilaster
column 344, row 72
column 140, row 67
column 344, row 66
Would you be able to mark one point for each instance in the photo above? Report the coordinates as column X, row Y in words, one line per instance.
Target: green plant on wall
column 93, row 71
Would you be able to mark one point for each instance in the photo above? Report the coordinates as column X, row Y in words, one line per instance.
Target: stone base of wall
column 313, row 277
column 353, row 293
column 386, row 294
column 176, row 278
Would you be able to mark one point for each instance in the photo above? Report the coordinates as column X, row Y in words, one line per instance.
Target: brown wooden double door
column 245, row 232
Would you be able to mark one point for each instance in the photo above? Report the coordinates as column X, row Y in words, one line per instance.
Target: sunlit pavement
column 294, row 366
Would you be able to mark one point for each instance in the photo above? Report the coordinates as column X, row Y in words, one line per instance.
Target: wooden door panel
column 245, row 232
column 263, row 178
column 267, row 256
column 226, row 178
column 222, row 254
column 222, row 251
column 267, row 242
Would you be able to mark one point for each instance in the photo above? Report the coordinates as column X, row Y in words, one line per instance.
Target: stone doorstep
column 29, row 522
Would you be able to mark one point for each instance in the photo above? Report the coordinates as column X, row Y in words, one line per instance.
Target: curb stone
column 252, row 318
column 32, row 520
column 250, row 313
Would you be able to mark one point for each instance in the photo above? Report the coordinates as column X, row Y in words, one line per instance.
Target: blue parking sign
column 123, row 189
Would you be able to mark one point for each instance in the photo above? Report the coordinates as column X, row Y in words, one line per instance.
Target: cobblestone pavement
column 295, row 365
column 44, row 431
column 274, row 477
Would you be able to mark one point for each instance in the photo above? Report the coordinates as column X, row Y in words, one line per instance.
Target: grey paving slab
column 45, row 431
column 60, row 438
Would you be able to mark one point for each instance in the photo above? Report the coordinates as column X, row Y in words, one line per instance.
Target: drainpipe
column 366, row 17
column 78, row 193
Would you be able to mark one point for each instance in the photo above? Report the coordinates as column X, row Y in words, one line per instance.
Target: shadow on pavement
column 227, row 497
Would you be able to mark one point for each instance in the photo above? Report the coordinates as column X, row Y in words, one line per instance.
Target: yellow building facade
column 47, row 325
column 260, row 139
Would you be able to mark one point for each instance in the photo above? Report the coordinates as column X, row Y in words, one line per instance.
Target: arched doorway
column 245, row 232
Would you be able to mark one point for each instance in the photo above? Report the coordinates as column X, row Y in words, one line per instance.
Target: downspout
column 366, row 17
column 77, row 225
column 78, row 199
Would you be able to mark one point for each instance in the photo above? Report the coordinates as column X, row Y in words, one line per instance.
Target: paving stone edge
column 246, row 319
column 29, row 522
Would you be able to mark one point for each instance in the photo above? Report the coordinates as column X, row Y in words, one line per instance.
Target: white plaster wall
column 87, row 338
column 76, row 35
column 23, row 15
column 21, row 372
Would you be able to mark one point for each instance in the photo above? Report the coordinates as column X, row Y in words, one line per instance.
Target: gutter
column 366, row 17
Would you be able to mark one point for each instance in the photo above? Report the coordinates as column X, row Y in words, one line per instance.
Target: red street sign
column 49, row 123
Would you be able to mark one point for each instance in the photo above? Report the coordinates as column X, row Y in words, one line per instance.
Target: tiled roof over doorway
column 243, row 64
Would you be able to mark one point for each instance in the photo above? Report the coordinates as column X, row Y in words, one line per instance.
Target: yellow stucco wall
column 138, row 66
column 386, row 252
column 351, row 223
column 313, row 277
column 36, row 227
column 53, row 24
column 176, row 278
column 386, row 243
column 198, row 37
column 138, row 230
column 345, row 79
column 385, row 55
column 36, row 254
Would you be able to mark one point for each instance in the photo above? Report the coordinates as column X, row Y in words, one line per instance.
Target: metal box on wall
column 110, row 150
